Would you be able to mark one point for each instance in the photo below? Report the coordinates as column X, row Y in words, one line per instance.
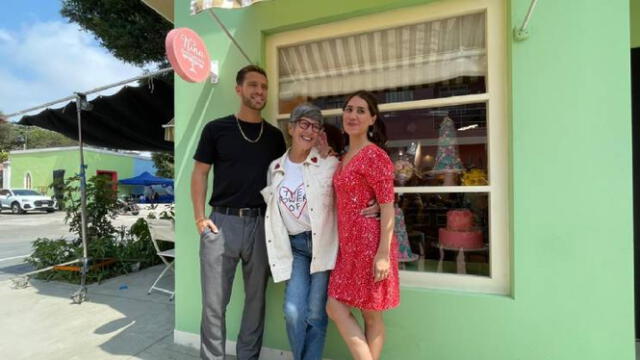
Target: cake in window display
column 404, row 168
column 461, row 232
column 448, row 162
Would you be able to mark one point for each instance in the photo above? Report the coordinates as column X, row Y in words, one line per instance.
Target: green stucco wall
column 635, row 23
column 571, row 214
column 42, row 164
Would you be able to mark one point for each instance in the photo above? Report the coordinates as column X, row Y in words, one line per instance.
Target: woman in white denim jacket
column 301, row 231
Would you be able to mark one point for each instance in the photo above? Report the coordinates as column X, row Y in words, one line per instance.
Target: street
column 17, row 232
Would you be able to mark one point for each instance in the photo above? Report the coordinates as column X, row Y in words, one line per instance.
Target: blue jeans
column 305, row 299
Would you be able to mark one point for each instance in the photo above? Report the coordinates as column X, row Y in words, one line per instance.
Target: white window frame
column 495, row 98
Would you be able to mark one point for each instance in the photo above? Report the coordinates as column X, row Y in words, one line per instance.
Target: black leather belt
column 250, row 212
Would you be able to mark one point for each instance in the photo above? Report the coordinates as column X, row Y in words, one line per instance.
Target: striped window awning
column 403, row 56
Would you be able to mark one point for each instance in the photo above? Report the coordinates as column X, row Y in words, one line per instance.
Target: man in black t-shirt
column 240, row 147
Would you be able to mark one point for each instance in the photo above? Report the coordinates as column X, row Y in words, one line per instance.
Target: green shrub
column 130, row 246
column 47, row 252
column 102, row 207
column 104, row 241
column 138, row 247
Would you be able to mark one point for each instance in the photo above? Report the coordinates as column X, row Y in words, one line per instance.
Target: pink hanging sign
column 188, row 54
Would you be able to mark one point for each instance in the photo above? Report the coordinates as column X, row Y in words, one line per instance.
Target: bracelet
column 200, row 220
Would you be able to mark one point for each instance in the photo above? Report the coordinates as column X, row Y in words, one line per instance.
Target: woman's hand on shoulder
column 323, row 147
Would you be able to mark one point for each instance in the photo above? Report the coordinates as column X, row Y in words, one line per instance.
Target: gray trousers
column 238, row 238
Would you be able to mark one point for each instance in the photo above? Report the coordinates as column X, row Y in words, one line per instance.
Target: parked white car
column 19, row 201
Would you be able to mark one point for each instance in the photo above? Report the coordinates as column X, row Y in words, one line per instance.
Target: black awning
column 131, row 119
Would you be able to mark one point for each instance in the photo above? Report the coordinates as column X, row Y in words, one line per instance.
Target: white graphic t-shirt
column 292, row 199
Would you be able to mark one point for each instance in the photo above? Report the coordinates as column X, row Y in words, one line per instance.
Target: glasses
column 304, row 125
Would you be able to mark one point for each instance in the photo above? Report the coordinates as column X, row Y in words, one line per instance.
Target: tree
column 37, row 138
column 18, row 137
column 5, row 136
column 163, row 163
column 5, row 129
column 102, row 206
column 130, row 30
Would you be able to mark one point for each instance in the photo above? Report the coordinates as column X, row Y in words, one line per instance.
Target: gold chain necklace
column 245, row 136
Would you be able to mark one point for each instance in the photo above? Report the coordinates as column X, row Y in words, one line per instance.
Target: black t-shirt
column 239, row 167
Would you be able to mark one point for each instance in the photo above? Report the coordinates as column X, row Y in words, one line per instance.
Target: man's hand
column 199, row 177
column 204, row 224
column 372, row 211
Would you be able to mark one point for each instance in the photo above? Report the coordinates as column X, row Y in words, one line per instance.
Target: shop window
column 437, row 71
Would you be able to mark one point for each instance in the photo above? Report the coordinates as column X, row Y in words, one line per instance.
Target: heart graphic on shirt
column 294, row 200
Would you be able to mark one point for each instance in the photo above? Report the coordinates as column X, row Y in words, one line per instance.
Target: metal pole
column 80, row 295
column 224, row 28
column 522, row 33
column 22, row 281
column 528, row 16
column 46, row 105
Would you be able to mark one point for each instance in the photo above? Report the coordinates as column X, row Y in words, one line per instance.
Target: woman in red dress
column 366, row 271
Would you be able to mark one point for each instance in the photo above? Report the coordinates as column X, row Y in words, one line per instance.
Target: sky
column 43, row 57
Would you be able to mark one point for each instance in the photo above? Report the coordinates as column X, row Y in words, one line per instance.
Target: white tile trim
column 85, row 148
column 193, row 340
column 186, row 339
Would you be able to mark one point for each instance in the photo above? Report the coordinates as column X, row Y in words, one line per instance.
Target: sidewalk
column 118, row 321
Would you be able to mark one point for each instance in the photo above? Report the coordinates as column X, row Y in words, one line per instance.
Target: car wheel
column 15, row 208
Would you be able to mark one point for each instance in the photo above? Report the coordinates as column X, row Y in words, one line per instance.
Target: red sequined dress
column 369, row 174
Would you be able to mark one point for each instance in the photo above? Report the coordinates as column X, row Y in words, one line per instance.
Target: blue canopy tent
column 146, row 179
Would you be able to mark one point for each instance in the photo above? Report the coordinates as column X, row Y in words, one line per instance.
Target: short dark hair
column 247, row 69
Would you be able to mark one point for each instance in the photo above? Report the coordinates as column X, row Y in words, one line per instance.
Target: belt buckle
column 241, row 210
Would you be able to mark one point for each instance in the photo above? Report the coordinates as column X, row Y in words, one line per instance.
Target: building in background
column 543, row 133
column 37, row 169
